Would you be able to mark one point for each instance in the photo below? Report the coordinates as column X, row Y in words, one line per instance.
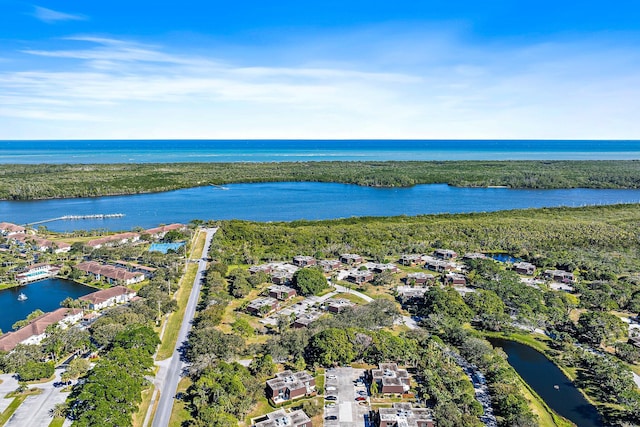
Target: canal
column 542, row 375
column 45, row 295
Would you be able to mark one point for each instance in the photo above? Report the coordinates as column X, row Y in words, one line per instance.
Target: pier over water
column 77, row 217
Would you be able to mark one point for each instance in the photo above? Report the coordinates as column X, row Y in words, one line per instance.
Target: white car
column 331, row 377
column 331, row 388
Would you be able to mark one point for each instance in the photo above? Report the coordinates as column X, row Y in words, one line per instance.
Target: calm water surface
column 287, row 201
column 163, row 151
column 45, row 295
column 541, row 374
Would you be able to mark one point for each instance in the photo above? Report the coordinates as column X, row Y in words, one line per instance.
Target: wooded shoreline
column 47, row 181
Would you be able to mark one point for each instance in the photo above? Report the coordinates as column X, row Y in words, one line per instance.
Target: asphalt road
column 168, row 380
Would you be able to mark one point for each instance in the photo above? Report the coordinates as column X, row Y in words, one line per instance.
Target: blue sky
column 320, row 69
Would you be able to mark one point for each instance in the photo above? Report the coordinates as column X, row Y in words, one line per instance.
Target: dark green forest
column 601, row 242
column 25, row 182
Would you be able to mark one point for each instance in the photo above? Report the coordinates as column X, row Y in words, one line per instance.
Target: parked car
column 331, row 418
column 361, row 398
column 331, row 398
column 330, row 405
column 331, row 377
column 330, row 388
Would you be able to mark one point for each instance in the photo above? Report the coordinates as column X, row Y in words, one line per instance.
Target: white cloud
column 50, row 16
column 113, row 88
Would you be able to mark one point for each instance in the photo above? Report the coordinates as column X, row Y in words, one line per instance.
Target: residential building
column 108, row 297
column 438, row 265
column 305, row 319
column 360, row 276
column 403, row 415
column 9, row 229
column 456, row 279
column 351, row 259
column 337, row 305
column 288, row 386
column 419, row 278
column 559, row 276
column 282, row 418
column 40, row 244
column 379, row 268
column 391, row 379
column 410, row 259
column 304, row 261
column 133, row 267
column 408, row 293
column 159, row 232
column 35, row 272
column 111, row 274
column 262, row 306
column 329, row 265
column 524, row 268
column 281, row 277
column 445, row 254
column 35, row 331
column 113, row 240
column 281, row 292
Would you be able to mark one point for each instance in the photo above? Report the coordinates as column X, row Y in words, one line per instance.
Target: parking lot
column 344, row 385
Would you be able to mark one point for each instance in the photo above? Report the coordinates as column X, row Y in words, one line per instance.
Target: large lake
column 45, row 295
column 288, row 201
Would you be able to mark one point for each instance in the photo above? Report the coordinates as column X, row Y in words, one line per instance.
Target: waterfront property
column 9, row 229
column 35, row 331
column 108, row 297
column 133, row 267
column 160, row 232
column 40, row 244
column 390, row 379
column 282, row 418
column 114, row 240
column 37, row 271
column 403, row 415
column 288, row 386
column 111, row 274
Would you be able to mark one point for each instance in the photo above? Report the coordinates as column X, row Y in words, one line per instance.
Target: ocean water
column 162, row 151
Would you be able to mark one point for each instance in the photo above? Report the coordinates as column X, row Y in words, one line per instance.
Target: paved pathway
column 170, row 370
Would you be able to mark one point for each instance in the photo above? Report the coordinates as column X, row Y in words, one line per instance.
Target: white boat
column 22, row 297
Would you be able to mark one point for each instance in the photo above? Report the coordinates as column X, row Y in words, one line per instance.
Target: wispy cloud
column 50, row 16
column 442, row 88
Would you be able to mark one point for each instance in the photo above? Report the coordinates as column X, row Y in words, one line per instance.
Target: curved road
column 171, row 370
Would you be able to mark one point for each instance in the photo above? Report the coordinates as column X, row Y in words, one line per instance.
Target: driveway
column 9, row 384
